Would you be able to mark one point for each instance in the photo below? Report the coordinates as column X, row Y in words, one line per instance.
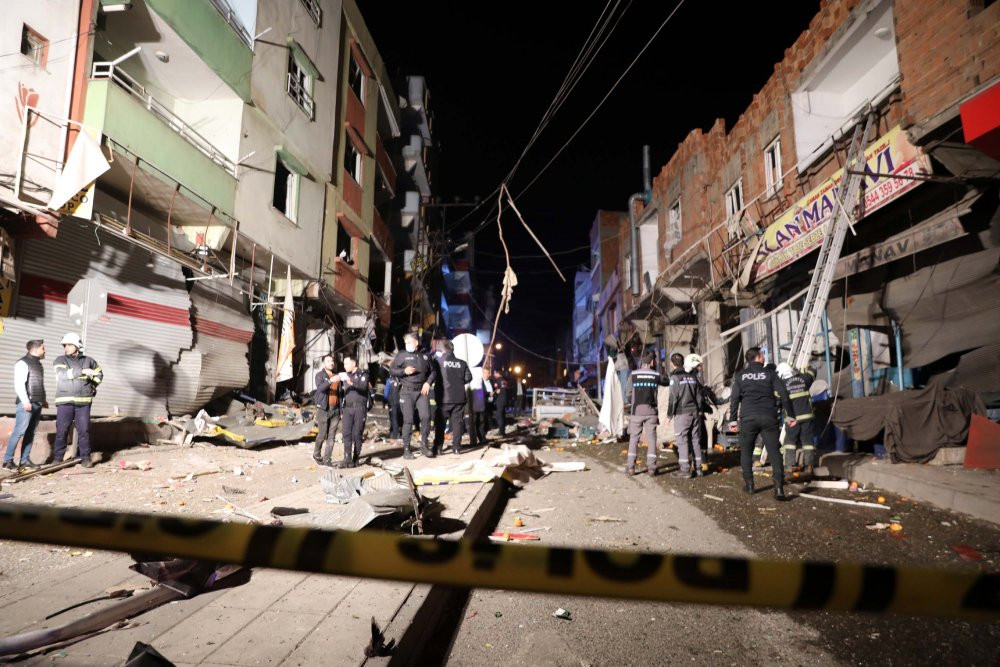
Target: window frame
column 359, row 162
column 672, row 238
column 39, row 45
column 353, row 65
column 772, row 168
column 733, row 207
column 300, row 85
column 293, row 189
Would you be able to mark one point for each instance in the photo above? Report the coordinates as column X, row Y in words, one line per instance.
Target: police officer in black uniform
column 752, row 398
column 357, row 392
column 416, row 375
column 455, row 377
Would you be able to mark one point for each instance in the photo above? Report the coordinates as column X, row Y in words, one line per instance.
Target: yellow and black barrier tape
column 536, row 569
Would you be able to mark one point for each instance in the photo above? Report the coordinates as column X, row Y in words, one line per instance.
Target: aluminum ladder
column 846, row 198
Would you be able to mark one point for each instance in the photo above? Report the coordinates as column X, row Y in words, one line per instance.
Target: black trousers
column 501, row 413
column 455, row 412
column 440, row 417
column 477, row 428
column 354, row 431
column 327, row 422
column 411, row 400
column 395, row 415
column 767, row 428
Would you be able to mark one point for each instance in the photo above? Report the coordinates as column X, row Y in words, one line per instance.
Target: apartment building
column 229, row 153
column 740, row 210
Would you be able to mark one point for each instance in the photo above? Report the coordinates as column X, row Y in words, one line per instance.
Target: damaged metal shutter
column 218, row 361
column 138, row 340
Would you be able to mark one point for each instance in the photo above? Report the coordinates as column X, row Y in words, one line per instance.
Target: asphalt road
column 665, row 513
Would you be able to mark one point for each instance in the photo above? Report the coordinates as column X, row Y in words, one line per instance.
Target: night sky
column 492, row 70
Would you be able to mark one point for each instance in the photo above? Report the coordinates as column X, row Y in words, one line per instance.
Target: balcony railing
column 107, row 70
column 297, row 91
column 229, row 14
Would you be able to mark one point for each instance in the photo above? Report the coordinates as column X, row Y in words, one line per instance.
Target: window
column 34, row 46
column 734, row 199
column 286, row 189
column 356, row 79
column 314, row 10
column 772, row 168
column 674, row 229
column 734, row 205
column 352, row 162
column 345, row 245
column 300, row 84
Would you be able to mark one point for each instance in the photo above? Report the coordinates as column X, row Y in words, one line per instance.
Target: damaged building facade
column 217, row 157
column 726, row 241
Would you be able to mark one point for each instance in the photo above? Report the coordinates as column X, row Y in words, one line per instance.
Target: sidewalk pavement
column 278, row 618
column 952, row 487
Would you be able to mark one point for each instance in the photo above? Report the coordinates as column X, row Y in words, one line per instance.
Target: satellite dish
column 468, row 348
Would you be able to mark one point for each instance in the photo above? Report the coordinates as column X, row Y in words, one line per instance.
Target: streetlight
column 517, row 370
column 529, row 374
column 499, row 345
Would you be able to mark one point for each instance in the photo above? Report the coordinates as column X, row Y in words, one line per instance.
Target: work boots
column 407, row 454
column 748, row 486
column 779, row 492
column 426, row 451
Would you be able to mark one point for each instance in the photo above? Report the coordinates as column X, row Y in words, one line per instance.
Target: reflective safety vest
column 77, row 378
column 798, row 393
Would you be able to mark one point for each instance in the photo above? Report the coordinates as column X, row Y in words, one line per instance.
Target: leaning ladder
column 833, row 242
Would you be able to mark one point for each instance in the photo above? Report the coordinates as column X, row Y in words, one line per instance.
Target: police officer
column 642, row 419
column 501, row 394
column 686, row 398
column 455, row 377
column 800, row 435
column 752, row 398
column 357, row 392
column 416, row 375
column 77, row 379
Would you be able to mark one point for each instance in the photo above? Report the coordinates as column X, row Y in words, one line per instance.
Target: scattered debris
column 563, row 614
column 876, row 526
column 233, row 490
column 377, row 647
column 135, row 465
column 711, row 497
column 513, row 537
column 144, row 655
column 828, row 484
column 965, row 552
column 6, row 496
column 608, row 519
column 844, row 501
column 288, row 511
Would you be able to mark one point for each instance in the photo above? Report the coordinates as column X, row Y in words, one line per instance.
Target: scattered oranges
column 895, row 527
column 518, row 522
column 881, row 500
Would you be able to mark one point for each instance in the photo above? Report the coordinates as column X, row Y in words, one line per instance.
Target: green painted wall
column 128, row 122
column 203, row 28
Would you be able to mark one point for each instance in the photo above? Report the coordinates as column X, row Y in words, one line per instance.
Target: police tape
column 536, row 569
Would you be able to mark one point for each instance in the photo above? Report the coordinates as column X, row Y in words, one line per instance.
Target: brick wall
column 947, row 50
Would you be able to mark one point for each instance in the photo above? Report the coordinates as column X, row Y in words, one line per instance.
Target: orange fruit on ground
column 895, row 527
column 881, row 499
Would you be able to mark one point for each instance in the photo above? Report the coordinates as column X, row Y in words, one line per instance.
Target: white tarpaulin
column 612, row 416
column 286, row 345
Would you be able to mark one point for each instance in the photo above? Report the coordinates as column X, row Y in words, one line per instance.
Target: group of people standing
column 439, row 389
column 424, row 390
column 77, row 379
column 761, row 398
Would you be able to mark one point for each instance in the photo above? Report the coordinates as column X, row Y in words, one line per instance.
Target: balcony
column 355, row 114
column 411, row 209
column 417, row 98
column 352, row 193
column 123, row 110
column 413, row 162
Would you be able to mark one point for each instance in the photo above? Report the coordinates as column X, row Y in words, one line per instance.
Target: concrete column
column 710, row 328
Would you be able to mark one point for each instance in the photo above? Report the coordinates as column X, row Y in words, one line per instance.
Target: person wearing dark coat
column 753, row 400
column 416, row 375
column 455, row 379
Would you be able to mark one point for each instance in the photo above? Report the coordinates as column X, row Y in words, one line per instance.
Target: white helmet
column 691, row 362
column 72, row 339
column 784, row 370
